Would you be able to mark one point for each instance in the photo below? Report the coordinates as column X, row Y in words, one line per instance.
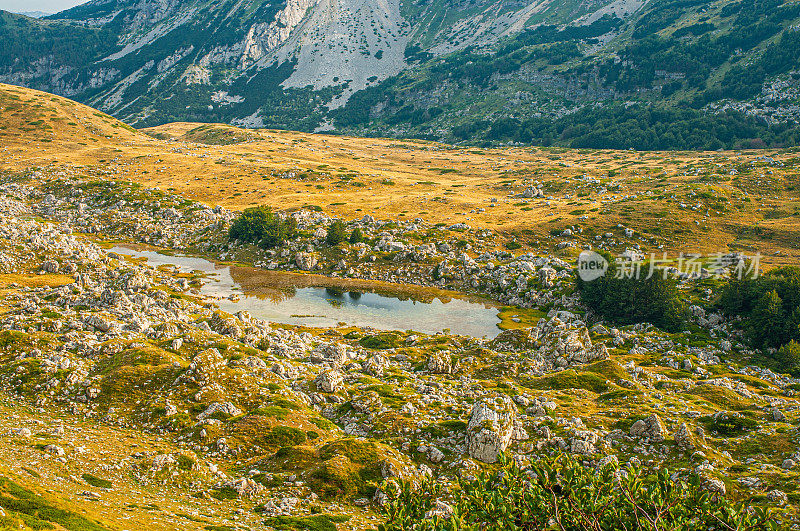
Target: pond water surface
column 318, row 301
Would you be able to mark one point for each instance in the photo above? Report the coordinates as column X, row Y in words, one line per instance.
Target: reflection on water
column 295, row 299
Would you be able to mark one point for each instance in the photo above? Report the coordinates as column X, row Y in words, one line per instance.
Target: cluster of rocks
column 428, row 402
column 152, row 217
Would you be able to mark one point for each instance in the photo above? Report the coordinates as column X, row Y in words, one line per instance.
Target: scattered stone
column 490, row 427
column 226, row 409
column 650, row 428
column 329, row 381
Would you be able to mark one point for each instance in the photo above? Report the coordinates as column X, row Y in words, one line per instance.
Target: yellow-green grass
column 751, row 210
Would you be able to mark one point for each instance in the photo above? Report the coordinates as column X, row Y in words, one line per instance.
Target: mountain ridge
column 477, row 71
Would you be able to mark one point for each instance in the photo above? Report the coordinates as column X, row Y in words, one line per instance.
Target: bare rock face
column 50, row 266
column 244, row 486
column 162, row 461
column 55, row 450
column 777, row 496
column 714, row 486
column 375, row 365
column 98, row 322
column 569, row 341
column 650, row 428
column 25, row 433
column 590, row 355
column 547, row 276
column 583, row 442
column 490, row 427
column 136, row 281
column 329, row 381
column 226, row 326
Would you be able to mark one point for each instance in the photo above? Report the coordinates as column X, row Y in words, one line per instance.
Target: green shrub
column 380, row 341
column 224, row 493
column 319, row 522
column 261, row 226
column 729, row 424
column 185, row 462
column 361, row 452
column 625, row 300
column 356, row 236
column 769, row 306
column 571, row 379
column 560, row 493
column 337, row 477
column 789, row 356
column 283, row 436
column 95, row 481
column 337, row 233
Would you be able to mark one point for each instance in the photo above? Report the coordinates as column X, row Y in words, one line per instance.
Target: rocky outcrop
column 306, row 261
column 224, row 409
column 332, row 353
column 650, row 428
column 684, row 438
column 440, row 363
column 329, row 381
column 490, row 427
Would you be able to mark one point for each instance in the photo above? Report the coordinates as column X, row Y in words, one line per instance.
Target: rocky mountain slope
column 226, row 420
column 475, row 70
column 129, row 400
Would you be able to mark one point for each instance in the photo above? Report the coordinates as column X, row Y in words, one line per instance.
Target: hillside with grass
column 647, row 75
column 36, row 118
column 710, row 202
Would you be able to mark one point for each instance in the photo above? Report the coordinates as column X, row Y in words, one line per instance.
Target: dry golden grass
column 35, row 281
column 755, row 209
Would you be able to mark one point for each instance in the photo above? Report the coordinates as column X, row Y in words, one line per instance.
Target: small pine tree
column 336, row 233
column 624, row 300
column 769, row 304
column 356, row 236
column 768, row 320
column 789, row 357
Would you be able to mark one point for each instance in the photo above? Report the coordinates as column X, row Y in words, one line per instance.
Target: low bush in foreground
column 558, row 493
